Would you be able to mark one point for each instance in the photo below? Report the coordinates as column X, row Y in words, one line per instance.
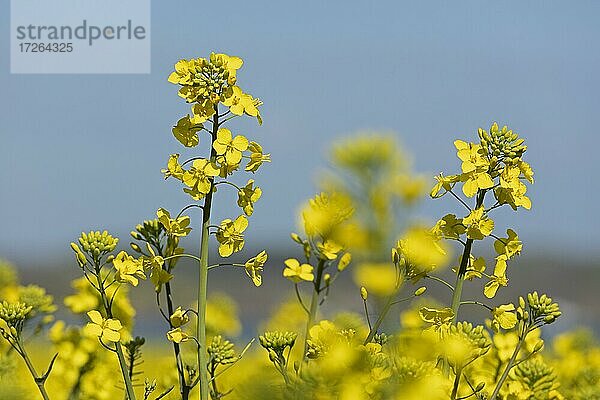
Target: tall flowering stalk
column 210, row 85
column 492, row 166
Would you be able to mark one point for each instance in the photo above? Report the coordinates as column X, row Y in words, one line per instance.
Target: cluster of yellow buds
column 278, row 341
column 96, row 244
column 14, row 314
column 502, row 144
column 149, row 230
column 538, row 309
column 535, row 377
column 463, row 343
column 221, row 351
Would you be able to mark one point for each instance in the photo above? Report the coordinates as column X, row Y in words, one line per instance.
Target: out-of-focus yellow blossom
column 533, row 379
column 222, row 316
column 498, row 279
column 321, row 337
column 436, row 317
column 504, row 317
column 247, row 196
column 325, row 212
column 329, row 249
column 367, row 152
column 179, row 318
column 230, row 147
column 87, row 298
column 478, row 224
column 410, row 188
column 254, row 267
column 461, row 343
column 36, row 298
column 378, row 278
column 257, row 157
column 103, row 328
column 177, row 227
column 198, row 177
column 173, row 169
column 176, row 335
column 231, row 235
column 296, row 272
column 129, row 269
column 187, row 132
column 422, row 250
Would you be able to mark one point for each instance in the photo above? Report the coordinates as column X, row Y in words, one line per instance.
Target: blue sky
column 82, row 152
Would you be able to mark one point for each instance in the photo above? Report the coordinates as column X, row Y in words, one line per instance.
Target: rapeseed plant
column 349, row 227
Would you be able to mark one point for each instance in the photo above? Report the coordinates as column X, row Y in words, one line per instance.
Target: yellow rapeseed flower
column 231, row 235
column 478, row 224
column 297, row 272
column 229, row 146
column 254, row 267
column 198, row 178
column 177, row 227
column 103, row 328
column 128, row 269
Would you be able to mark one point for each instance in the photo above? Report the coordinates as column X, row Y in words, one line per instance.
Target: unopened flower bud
column 296, row 238
column 135, row 247
column 363, row 293
column 344, row 261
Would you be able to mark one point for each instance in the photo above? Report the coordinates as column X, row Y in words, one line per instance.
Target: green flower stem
column 40, row 381
column 203, row 275
column 314, row 305
column 508, row 367
column 464, row 263
column 382, row 315
column 460, row 279
column 119, row 350
column 184, row 389
column 456, row 384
